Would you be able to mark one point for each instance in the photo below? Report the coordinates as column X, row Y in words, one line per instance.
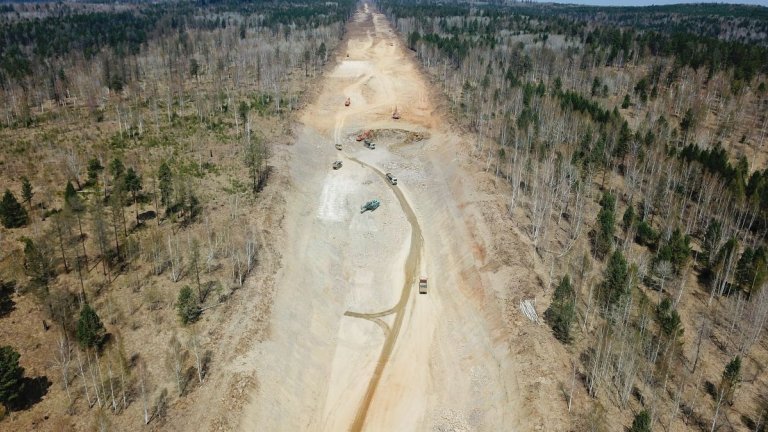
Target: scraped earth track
column 353, row 346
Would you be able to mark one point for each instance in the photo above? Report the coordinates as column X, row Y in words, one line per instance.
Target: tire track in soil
column 411, row 267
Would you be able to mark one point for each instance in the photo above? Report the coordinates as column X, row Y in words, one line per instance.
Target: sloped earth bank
column 352, row 344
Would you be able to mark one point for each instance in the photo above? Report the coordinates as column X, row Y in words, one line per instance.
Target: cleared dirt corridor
column 353, row 346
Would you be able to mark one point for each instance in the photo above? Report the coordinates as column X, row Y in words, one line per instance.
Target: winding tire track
column 411, row 267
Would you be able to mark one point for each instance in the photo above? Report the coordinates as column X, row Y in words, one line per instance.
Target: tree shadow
column 33, row 390
column 711, row 389
column 263, row 177
column 147, row 215
column 7, row 305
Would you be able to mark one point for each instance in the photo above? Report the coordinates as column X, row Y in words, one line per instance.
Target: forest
column 633, row 152
column 138, row 195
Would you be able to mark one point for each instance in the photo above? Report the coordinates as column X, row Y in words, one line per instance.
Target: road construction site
column 353, row 344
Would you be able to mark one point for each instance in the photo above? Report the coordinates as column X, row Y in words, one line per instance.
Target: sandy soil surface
column 353, row 345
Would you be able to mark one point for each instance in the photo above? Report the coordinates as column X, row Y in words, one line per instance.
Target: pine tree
column 37, row 263
column 629, row 217
column 11, row 376
column 616, row 279
column 132, row 182
column 751, row 270
column 626, row 102
column 12, row 213
column 562, row 311
column 711, row 243
column 94, row 169
column 90, row 330
column 605, row 225
column 730, row 379
column 165, row 178
column 254, row 157
column 187, row 305
column 26, row 191
column 645, row 236
column 116, row 169
column 71, row 198
column 74, row 204
column 669, row 319
column 676, row 250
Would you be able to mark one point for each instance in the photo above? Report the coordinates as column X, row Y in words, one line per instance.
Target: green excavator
column 370, row 205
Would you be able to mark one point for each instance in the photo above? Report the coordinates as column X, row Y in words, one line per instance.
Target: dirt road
column 353, row 346
column 410, row 270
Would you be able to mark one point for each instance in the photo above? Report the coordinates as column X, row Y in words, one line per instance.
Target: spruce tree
column 90, row 330
column 12, row 213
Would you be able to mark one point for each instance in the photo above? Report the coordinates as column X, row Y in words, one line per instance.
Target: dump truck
column 347, row 102
column 391, row 179
column 422, row 285
column 370, row 144
column 370, row 205
column 396, row 114
column 364, row 135
column 337, row 165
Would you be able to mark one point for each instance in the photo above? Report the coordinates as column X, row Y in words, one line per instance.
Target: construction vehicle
column 391, row 179
column 365, row 135
column 338, row 146
column 347, row 102
column 370, row 205
column 422, row 285
column 370, row 144
column 337, row 165
column 396, row 114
